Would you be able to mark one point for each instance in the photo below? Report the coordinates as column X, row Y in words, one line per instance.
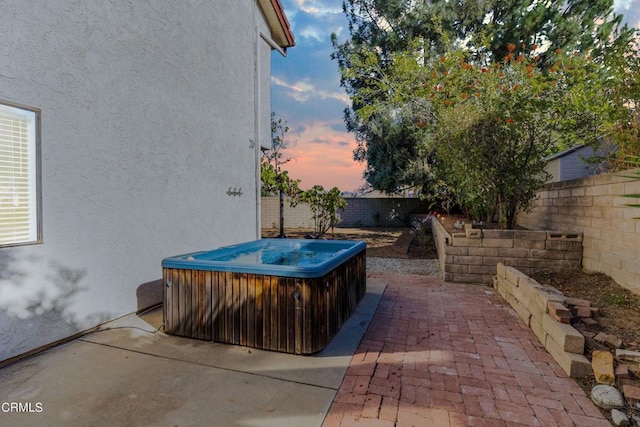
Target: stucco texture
column 148, row 110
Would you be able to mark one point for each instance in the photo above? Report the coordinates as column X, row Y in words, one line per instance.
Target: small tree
column 274, row 179
column 324, row 206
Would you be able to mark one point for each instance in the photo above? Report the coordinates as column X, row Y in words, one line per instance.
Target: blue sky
column 305, row 91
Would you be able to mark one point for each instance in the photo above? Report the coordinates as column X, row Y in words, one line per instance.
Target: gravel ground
column 426, row 267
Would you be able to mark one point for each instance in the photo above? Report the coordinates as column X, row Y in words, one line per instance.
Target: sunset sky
column 306, row 92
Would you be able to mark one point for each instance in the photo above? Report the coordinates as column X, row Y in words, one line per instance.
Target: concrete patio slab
column 80, row 384
column 129, row 374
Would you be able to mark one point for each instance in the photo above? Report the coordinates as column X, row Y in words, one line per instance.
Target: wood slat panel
column 208, row 308
column 167, row 299
column 175, row 293
column 229, row 308
column 195, row 304
column 266, row 309
column 332, row 302
column 286, row 298
column 242, row 309
column 185, row 301
column 259, row 310
column 291, row 315
column 307, row 313
column 322, row 314
column 251, row 310
column 276, row 313
column 220, row 303
column 298, row 316
column 235, row 310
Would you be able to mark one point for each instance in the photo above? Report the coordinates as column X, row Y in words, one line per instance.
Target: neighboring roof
column 278, row 23
column 565, row 152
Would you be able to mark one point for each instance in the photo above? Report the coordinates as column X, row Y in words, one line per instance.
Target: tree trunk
column 281, row 235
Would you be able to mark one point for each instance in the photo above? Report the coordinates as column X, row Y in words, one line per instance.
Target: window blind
column 18, row 192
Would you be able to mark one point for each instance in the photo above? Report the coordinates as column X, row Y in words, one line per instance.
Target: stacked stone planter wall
column 535, row 305
column 470, row 256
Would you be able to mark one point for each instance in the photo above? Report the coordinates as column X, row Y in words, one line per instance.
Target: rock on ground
column 607, row 397
column 424, row 266
column 619, row 418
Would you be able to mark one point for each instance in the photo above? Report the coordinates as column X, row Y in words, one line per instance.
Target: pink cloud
column 323, row 155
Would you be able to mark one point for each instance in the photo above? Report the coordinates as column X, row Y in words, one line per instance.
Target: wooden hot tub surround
column 286, row 314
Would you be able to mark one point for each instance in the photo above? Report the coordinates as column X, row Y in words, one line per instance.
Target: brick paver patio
column 440, row 354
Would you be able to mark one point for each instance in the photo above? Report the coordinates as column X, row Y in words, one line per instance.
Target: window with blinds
column 19, row 187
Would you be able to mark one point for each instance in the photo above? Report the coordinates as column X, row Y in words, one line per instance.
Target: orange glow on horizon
column 323, row 156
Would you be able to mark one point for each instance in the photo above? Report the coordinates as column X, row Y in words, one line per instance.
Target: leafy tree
column 274, row 179
column 391, row 25
column 633, row 162
column 324, row 205
column 273, row 182
column 490, row 127
column 394, row 159
column 624, row 90
column 384, row 31
column 495, row 126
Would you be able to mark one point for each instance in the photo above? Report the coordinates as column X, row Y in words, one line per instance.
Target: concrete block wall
column 531, row 301
column 381, row 212
column 471, row 256
column 360, row 212
column 297, row 217
column 596, row 207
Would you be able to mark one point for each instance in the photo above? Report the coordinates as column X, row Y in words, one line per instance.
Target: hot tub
column 276, row 294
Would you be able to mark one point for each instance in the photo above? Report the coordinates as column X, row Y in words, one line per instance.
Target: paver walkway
column 440, row 354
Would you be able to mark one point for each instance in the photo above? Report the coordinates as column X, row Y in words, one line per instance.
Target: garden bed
column 619, row 308
column 470, row 255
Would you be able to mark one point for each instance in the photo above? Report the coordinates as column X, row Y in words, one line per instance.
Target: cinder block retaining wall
column 471, row 257
column 531, row 301
column 360, row 212
column 595, row 207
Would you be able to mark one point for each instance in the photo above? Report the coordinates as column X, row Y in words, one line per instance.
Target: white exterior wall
column 147, row 117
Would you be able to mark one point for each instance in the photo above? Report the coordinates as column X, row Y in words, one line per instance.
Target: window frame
column 38, row 172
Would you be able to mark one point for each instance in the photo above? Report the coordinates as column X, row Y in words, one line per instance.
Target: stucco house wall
column 151, row 111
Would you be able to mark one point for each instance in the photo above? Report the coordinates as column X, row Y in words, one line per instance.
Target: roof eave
column 278, row 23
